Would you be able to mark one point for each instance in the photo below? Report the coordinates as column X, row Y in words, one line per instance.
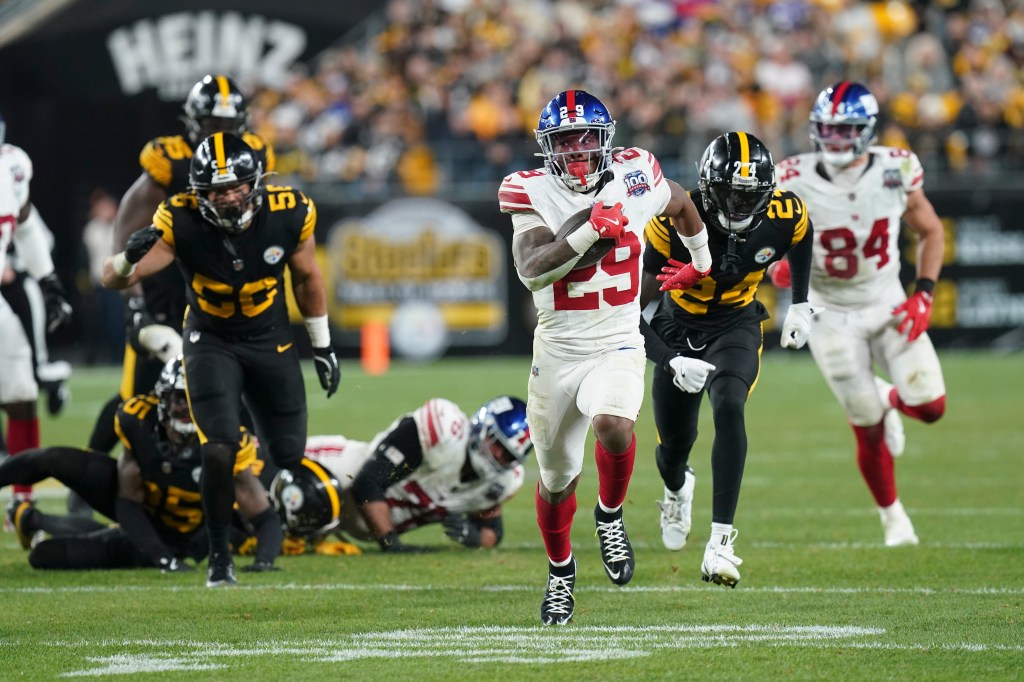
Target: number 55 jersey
column 856, row 223
column 594, row 307
column 234, row 284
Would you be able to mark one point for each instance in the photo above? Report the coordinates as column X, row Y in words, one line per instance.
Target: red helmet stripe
column 570, row 104
column 837, row 95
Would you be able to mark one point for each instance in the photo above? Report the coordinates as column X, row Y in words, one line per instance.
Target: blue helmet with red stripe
column 575, row 133
column 843, row 122
column 499, row 437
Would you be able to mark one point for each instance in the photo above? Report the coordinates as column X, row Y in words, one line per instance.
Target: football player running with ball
column 588, row 356
column 857, row 195
column 709, row 335
column 232, row 238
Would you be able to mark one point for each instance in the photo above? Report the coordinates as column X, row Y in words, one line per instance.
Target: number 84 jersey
column 597, row 307
column 856, row 226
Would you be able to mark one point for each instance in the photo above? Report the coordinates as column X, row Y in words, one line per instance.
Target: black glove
column 140, row 243
column 260, row 567
column 459, row 528
column 327, row 369
column 175, row 565
column 390, row 544
column 58, row 310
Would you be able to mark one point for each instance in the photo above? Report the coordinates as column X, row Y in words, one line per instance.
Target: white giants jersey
column 15, row 174
column 435, row 487
column 594, row 308
column 856, row 227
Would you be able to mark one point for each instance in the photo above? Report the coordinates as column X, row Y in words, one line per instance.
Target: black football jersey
column 724, row 297
column 234, row 285
column 173, row 499
column 166, row 161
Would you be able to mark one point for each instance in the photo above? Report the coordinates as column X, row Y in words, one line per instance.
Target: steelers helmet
column 215, row 104
column 308, row 498
column 172, row 409
column 223, row 161
column 736, row 181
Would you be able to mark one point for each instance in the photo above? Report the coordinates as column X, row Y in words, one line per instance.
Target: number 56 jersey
column 856, row 226
column 234, row 284
column 596, row 307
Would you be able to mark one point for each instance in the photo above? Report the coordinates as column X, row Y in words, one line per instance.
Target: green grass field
column 820, row 599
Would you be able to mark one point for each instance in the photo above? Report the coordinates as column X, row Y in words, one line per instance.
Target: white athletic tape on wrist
column 122, row 268
column 319, row 331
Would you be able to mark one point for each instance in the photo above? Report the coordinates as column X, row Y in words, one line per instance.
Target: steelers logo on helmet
column 225, row 175
column 499, row 436
column 308, row 498
column 736, row 181
column 575, row 133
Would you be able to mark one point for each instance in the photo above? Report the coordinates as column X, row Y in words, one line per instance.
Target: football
column 598, row 249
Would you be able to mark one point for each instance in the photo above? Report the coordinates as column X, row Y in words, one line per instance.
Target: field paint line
column 494, row 644
column 640, row 544
column 385, row 587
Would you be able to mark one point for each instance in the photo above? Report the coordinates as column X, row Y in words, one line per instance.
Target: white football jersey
column 594, row 308
column 15, row 175
column 434, row 488
column 856, row 228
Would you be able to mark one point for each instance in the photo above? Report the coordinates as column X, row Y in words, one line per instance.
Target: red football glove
column 678, row 275
column 779, row 272
column 608, row 221
column 918, row 313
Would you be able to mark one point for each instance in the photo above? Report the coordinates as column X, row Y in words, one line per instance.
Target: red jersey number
column 610, row 265
column 840, row 244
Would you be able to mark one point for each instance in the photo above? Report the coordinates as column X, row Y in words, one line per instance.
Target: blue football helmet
column 499, row 437
column 575, row 136
column 843, row 122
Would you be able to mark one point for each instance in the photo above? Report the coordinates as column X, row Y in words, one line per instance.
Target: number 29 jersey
column 597, row 307
column 856, row 259
column 234, row 284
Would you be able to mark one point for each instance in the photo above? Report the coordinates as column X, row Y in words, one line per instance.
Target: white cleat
column 899, row 531
column 721, row 565
column 676, row 509
column 895, row 436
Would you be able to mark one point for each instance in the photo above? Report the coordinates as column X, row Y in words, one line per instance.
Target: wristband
column 318, row 330
column 697, row 245
column 582, row 239
column 122, row 268
column 926, row 285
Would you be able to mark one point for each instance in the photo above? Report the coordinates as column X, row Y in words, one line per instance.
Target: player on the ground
column 431, row 465
column 857, row 194
column 152, row 491
column 709, row 336
column 588, row 361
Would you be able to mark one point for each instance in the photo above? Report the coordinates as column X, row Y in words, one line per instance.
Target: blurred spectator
column 100, row 306
column 446, row 91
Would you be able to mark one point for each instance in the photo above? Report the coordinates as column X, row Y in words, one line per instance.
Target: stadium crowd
column 445, row 92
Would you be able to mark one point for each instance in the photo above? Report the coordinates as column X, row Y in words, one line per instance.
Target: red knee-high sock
column 614, row 470
column 555, row 522
column 22, row 434
column 875, row 463
column 928, row 413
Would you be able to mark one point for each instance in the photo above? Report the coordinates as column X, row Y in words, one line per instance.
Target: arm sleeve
column 657, row 350
column 800, row 265
column 33, row 246
column 396, row 456
column 136, row 525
